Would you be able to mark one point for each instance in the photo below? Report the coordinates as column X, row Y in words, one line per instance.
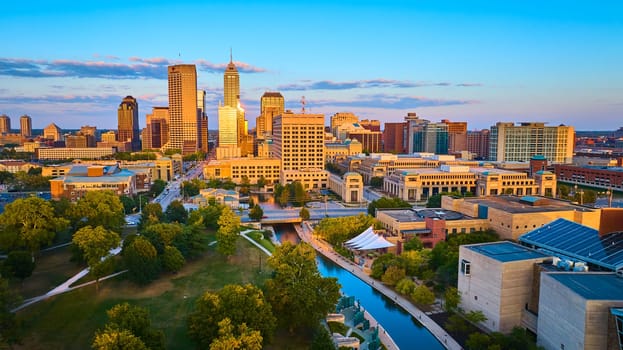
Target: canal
column 406, row 331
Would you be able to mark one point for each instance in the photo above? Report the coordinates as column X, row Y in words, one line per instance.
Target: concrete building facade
column 510, row 142
column 183, row 113
column 348, row 186
column 127, row 122
column 25, row 126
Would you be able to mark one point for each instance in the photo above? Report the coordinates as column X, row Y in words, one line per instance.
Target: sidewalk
column 325, row 249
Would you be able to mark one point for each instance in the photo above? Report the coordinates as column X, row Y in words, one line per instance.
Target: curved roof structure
column 368, row 240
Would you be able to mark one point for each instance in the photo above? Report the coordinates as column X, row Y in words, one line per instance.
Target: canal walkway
column 305, row 233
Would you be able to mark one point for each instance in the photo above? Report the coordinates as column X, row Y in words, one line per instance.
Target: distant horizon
column 480, row 62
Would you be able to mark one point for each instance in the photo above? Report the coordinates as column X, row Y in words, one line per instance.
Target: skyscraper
column 395, row 137
column 231, row 85
column 5, row 124
column 425, row 136
column 156, row 132
column 127, row 122
column 271, row 105
column 478, row 143
column 203, row 121
column 25, row 126
column 183, row 114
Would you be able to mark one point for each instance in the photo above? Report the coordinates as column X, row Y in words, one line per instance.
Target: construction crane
column 303, row 105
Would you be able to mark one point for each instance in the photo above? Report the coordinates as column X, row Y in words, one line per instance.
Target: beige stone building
column 81, row 179
column 298, row 141
column 497, row 279
column 493, row 182
column 420, row 184
column 13, row 166
column 73, row 153
column 237, row 168
column 512, row 216
column 348, row 186
column 53, row 132
column 339, row 151
column 25, row 126
column 271, row 105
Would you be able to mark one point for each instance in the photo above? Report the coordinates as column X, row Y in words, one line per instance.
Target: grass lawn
column 258, row 236
column 69, row 321
column 52, row 268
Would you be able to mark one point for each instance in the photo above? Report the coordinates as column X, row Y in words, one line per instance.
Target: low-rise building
column 237, row 168
column 348, row 186
column 339, row 151
column 14, row 166
column 512, row 216
column 221, row 196
column 492, row 182
column 81, row 179
column 73, row 153
column 420, row 184
column 606, row 177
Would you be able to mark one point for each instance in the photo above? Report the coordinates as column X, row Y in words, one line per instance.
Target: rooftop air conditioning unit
column 555, row 261
column 620, row 272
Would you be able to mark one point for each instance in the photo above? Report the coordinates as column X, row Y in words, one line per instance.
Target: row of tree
column 25, row 181
column 293, row 192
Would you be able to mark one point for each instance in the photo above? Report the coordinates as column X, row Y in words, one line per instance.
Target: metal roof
column 592, row 285
column 580, row 242
column 505, row 251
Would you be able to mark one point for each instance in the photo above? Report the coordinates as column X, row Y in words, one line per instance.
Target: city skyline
column 480, row 62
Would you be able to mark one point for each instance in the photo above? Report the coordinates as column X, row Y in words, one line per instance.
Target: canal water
column 406, row 331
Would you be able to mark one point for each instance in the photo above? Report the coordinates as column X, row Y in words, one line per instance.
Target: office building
column 298, row 141
column 203, row 121
column 236, row 168
column 457, row 136
column 25, row 126
column 183, row 114
column 395, row 138
column 156, row 131
column 339, row 151
column 510, row 142
column 53, row 132
column 425, row 136
column 271, row 105
column 338, row 119
column 608, row 178
column 127, row 122
column 73, row 153
column 227, row 133
column 348, row 186
column 5, row 124
column 81, row 179
column 370, row 140
column 478, row 143
column 370, row 124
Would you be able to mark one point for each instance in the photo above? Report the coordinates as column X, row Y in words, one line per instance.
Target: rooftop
column 592, row 285
column 517, row 205
column 506, row 251
column 580, row 242
column 412, row 215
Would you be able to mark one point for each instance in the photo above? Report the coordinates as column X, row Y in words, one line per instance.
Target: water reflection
column 406, row 331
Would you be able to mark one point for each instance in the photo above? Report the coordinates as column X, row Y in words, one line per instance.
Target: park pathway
column 305, row 233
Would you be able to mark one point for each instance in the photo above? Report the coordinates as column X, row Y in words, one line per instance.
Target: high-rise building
column 127, row 122
column 53, row 132
column 109, row 136
column 183, row 114
column 156, row 132
column 340, row 118
column 478, row 143
column 371, row 124
column 203, row 121
column 227, row 126
column 231, row 92
column 89, row 133
column 395, row 138
column 425, row 136
column 25, row 126
column 271, row 104
column 510, row 142
column 298, row 140
column 457, row 136
column 5, row 124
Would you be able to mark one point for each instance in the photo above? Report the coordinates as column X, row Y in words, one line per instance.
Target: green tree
column 6, row 177
column 456, row 323
column 151, row 214
column 29, row 223
column 162, row 234
column 478, row 341
column 114, row 339
column 322, row 339
column 157, row 187
column 245, row 185
column 256, row 213
column 19, row 264
column 261, row 182
column 209, row 214
column 383, row 262
column 304, row 213
column 452, row 299
column 415, row 261
column 141, row 260
column 475, row 316
column 338, row 230
column 227, row 233
column 376, row 182
column 385, row 203
column 244, row 339
column 300, row 195
column 392, row 275
column 284, row 197
column 129, row 205
column 414, row 244
column 241, row 304
column 95, row 245
column 10, row 327
column 172, row 259
column 405, row 286
column 135, row 319
column 100, row 208
column 422, row 295
column 299, row 295
column 176, row 212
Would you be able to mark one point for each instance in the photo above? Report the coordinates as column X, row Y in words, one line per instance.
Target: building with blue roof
column 83, row 178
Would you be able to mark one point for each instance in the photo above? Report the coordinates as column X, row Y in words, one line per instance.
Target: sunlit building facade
column 183, row 114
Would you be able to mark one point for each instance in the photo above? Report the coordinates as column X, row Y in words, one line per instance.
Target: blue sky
column 559, row 62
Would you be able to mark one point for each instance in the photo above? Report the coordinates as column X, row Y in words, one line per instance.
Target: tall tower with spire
column 231, row 84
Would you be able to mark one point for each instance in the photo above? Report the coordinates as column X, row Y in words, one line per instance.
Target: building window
column 466, row 267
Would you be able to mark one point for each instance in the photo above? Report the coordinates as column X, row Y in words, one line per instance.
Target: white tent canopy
column 368, row 240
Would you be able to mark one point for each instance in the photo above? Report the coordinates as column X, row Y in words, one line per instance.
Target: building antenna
column 231, row 55
column 303, row 103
